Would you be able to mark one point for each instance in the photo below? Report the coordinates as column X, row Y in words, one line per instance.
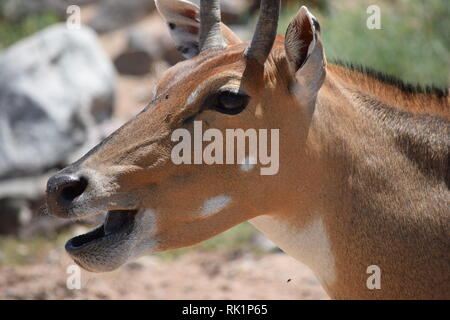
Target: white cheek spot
column 215, row 204
column 248, row 164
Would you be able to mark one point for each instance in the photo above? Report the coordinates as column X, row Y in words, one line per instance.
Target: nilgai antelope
column 363, row 173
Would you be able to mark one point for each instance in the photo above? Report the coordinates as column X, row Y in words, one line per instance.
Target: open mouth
column 117, row 222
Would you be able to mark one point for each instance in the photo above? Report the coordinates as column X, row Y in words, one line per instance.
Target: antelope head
column 154, row 204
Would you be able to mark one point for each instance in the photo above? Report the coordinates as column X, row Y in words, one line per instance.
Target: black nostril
column 65, row 188
column 73, row 189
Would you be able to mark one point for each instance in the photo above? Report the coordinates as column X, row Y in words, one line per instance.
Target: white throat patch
column 310, row 245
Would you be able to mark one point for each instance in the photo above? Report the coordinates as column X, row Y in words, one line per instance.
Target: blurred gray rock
column 148, row 44
column 134, row 63
column 16, row 203
column 154, row 39
column 14, row 215
column 114, row 14
column 55, row 86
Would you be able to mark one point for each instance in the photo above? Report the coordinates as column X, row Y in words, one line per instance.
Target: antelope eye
column 229, row 102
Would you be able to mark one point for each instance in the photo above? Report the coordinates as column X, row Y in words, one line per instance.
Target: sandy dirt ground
column 194, row 275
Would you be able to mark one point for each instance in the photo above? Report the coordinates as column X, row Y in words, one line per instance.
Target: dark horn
column 210, row 34
column 265, row 32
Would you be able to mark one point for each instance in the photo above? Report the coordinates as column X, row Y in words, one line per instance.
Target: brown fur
column 388, row 170
column 372, row 159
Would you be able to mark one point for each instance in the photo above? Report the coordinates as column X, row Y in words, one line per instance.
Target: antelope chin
column 116, row 222
column 98, row 250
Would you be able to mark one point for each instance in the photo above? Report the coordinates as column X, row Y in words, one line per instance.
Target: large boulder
column 54, row 87
column 57, row 92
column 14, row 215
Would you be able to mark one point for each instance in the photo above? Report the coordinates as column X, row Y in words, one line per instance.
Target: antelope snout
column 62, row 190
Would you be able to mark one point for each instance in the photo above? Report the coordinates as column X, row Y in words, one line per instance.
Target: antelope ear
column 304, row 53
column 183, row 19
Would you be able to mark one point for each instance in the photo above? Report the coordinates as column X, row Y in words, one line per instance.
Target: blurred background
column 63, row 90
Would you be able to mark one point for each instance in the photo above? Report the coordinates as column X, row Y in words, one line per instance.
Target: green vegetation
column 412, row 44
column 14, row 251
column 10, row 32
